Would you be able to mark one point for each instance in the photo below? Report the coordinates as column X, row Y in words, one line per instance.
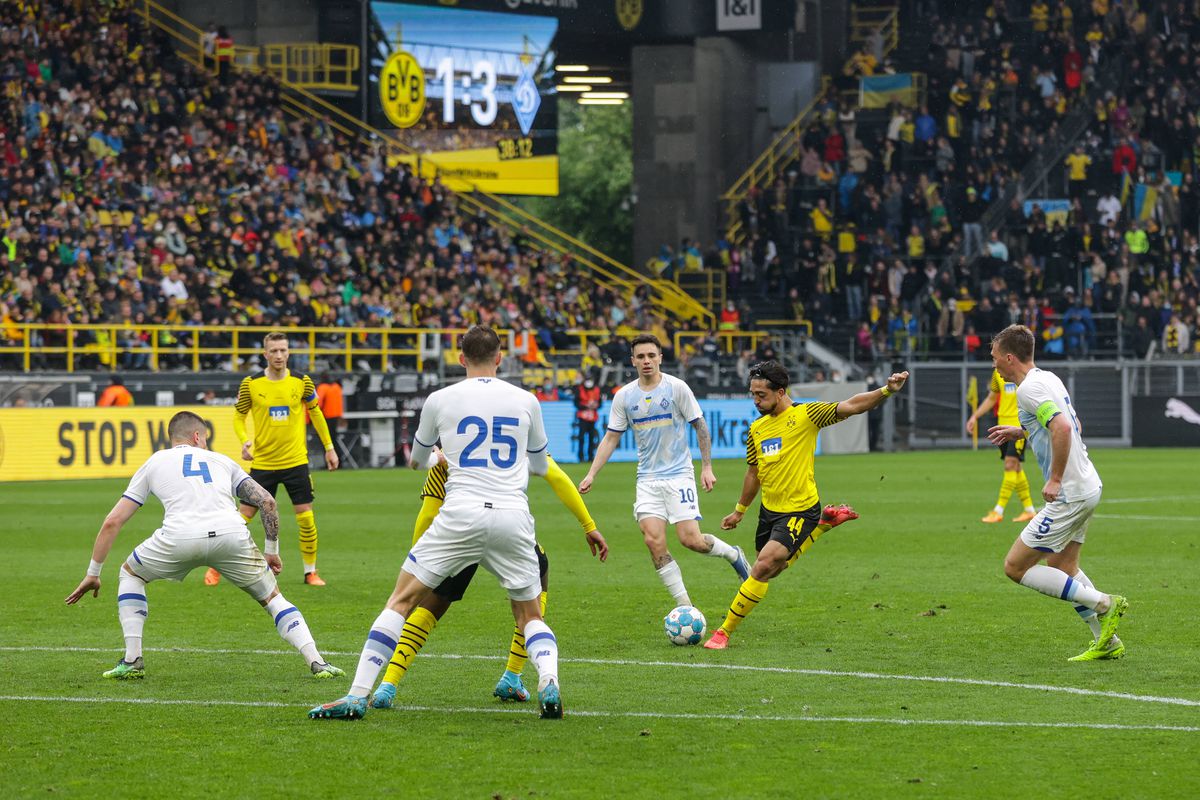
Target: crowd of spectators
column 876, row 233
column 135, row 189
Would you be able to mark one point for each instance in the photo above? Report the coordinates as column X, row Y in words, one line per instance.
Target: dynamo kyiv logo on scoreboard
column 526, row 101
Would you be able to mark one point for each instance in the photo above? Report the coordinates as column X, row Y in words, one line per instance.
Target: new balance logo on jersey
column 772, row 447
column 279, row 413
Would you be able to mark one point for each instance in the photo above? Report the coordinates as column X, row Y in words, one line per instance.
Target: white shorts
column 501, row 540
column 674, row 500
column 234, row 555
column 1059, row 524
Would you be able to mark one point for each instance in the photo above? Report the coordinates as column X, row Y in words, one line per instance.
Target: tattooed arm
column 252, row 494
column 704, row 442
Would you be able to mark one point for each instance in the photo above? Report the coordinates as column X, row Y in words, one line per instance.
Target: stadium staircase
column 299, row 101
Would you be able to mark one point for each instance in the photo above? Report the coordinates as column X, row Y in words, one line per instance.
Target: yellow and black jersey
column 1006, row 399
column 277, row 408
column 783, row 447
column 435, row 482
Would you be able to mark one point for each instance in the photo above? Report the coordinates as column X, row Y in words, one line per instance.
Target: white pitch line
column 1106, row 501
column 1146, row 518
column 970, row 723
column 828, row 673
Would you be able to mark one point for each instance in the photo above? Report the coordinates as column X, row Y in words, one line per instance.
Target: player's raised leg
column 690, row 537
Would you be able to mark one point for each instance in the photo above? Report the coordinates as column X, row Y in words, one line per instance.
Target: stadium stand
column 136, row 189
column 1047, row 176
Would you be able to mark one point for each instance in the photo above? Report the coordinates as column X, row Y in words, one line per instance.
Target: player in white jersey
column 492, row 436
column 660, row 408
column 201, row 528
column 1071, row 489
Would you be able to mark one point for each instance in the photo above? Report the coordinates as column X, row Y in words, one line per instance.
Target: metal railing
column 936, row 408
column 322, row 67
column 32, row 346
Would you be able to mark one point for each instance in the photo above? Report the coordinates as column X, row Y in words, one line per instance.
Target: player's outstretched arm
column 116, row 519
column 750, row 486
column 704, row 442
column 252, row 494
column 865, row 401
column 561, row 483
column 603, row 452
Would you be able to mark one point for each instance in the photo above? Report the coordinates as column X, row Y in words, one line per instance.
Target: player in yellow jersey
column 780, row 448
column 275, row 400
column 1002, row 395
column 421, row 622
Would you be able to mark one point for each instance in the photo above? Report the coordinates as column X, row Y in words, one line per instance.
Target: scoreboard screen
column 472, row 90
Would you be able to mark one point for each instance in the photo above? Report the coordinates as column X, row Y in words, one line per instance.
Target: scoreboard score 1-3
column 473, row 91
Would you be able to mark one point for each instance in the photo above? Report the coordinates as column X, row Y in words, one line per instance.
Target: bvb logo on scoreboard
column 402, row 90
column 629, row 13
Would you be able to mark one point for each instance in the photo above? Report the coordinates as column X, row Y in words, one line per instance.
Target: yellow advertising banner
column 49, row 444
column 484, row 168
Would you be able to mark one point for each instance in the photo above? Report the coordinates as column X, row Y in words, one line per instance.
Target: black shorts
column 1012, row 449
column 790, row 529
column 296, row 480
column 454, row 587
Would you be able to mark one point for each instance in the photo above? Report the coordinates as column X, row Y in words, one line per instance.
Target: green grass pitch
column 893, row 660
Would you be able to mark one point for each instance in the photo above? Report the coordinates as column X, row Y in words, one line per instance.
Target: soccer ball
column 685, row 625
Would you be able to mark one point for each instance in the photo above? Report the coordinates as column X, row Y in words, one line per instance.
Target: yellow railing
column 314, row 66
column 706, row 285
column 332, row 67
column 732, row 342
column 105, row 346
column 300, row 102
column 786, row 323
column 784, row 150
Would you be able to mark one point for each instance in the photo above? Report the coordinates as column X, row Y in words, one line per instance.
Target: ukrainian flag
column 1145, row 198
column 878, row 91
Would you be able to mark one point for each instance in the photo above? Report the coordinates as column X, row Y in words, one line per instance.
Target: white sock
column 1056, row 583
column 292, row 627
column 721, row 549
column 543, row 651
column 381, row 643
column 672, row 578
column 132, row 610
column 1088, row 615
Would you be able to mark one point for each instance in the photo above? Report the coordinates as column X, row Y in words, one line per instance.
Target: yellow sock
column 417, row 628
column 1006, row 489
column 516, row 651
column 245, row 518
column 749, row 595
column 1023, row 488
column 308, row 540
